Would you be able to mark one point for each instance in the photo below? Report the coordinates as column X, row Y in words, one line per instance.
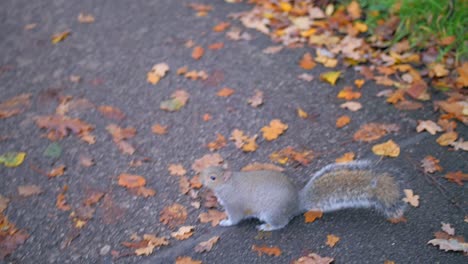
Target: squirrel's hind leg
column 234, row 217
column 272, row 223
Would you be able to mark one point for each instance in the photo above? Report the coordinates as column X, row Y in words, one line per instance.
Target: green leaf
column 12, row 159
column 53, row 150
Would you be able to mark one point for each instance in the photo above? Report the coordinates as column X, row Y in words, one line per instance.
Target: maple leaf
column 218, row 143
column 85, row 18
column 257, row 99
column 290, row 154
column 58, row 127
column 213, row 216
column 447, row 138
column 457, row 177
column 12, row 159
column 271, row 251
column 462, row 80
column 10, row 237
column 274, row 130
column 448, row 229
column 352, row 106
column 131, row 181
column 250, row 144
column 330, row 77
column 410, row 198
column 177, row 170
column 173, row 215
column 342, row 121
column 187, row 260
column 178, row 99
column 371, row 132
column 159, row 129
column 460, row 144
column 29, row 190
column 347, row 157
column 389, row 148
column 313, row 258
column 332, row 240
column 430, row 164
column 206, row 161
column 58, row 37
column 157, row 73
column 15, row 105
column 225, row 92
column 307, row 62
column 206, row 245
column 183, row 233
column 311, row 216
column 111, row 112
column 221, row 27
column 197, row 52
column 449, row 244
column 262, row 166
column 326, row 58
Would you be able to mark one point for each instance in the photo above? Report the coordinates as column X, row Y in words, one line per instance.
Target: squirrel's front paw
column 226, row 222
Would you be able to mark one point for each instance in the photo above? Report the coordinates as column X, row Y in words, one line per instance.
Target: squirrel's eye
column 213, row 178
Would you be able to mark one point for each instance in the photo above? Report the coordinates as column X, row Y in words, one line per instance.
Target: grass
column 424, row 22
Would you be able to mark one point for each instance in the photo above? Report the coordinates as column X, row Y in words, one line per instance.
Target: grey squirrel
column 272, row 198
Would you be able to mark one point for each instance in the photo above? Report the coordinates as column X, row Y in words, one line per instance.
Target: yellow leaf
column 347, row 157
column 332, row 240
column 389, row 148
column 359, row 82
column 285, row 6
column 157, row 73
column 274, row 130
column 447, row 138
column 330, row 77
column 60, row 36
column 12, row 159
column 361, row 27
column 301, row 113
column 311, row 216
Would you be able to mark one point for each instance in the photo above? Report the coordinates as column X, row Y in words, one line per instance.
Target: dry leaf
column 311, row 216
column 305, row 77
column 178, row 100
column 3, row 203
column 274, row 130
column 56, row 38
column 262, row 166
column 207, row 117
column 447, row 138
column 352, row 106
column 460, row 144
column 271, row 251
column 61, row 203
column 159, row 129
column 184, row 185
column 221, row 27
column 15, row 105
column 257, row 99
column 111, row 112
column 389, row 148
column 430, row 164
column 12, row 159
column 29, row 190
column 342, row 121
column 197, row 52
column 57, row 171
column 59, row 126
column 187, row 260
column 143, row 191
column 272, row 49
column 250, row 144
column 218, row 143
column 157, row 73
column 457, row 177
column 131, row 181
column 448, row 229
column 301, row 113
column 85, row 18
column 289, row 154
column 359, row 82
column 206, row 161
column 347, row 157
column 354, row 10
column 449, row 244
column 195, row 182
column 410, row 198
column 225, row 92
column 86, row 161
column 307, row 62
column 330, row 77
column 371, row 132
column 176, row 170
column 206, row 245
column 332, row 240
column 213, row 216
column 173, row 215
column 428, row 125
column 348, row 94
column 313, row 258
column 216, row 46
column 183, row 233
column 30, row 26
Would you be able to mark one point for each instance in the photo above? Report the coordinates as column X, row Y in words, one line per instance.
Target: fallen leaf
column 352, row 106
column 178, row 100
column 307, row 62
column 61, row 203
column 225, row 92
column 274, row 130
column 184, row 185
column 197, row 52
column 347, row 157
column 460, row 144
column 348, row 94
column 3, row 203
column 250, row 144
column 354, row 10
column 157, row 73
column 221, row 27
column 29, row 190
column 213, row 216
column 218, row 143
column 301, row 113
column 58, row 127
column 285, row 6
column 449, row 244
column 272, row 49
column 430, row 164
column 111, row 112
column 143, row 191
column 257, row 99
column 176, row 170
column 12, row 159
column 57, row 171
column 86, row 18
column 75, row 78
column 311, row 216
column 15, row 105
column 207, row 117
column 187, row 260
column 159, row 129
column 457, row 177
column 332, row 240
column 271, row 251
column 56, row 38
column 326, row 59
column 305, row 77
column 330, row 77
column 289, row 154
column 342, row 121
column 359, row 82
column 206, row 161
column 447, row 138
column 53, row 151
column 397, row 96
column 410, row 198
column 195, row 182
column 183, row 233
column 216, row 46
column 131, row 181
column 371, row 132
column 448, row 229
column 389, row 148
column 94, row 198
column 30, row 26
column 206, row 246
column 313, row 258
column 173, row 215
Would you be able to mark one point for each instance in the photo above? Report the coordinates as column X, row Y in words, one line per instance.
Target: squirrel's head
column 212, row 177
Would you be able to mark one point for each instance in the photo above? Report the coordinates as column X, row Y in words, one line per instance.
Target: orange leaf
column 143, row 191
column 187, row 260
column 457, row 177
column 173, row 215
column 159, row 129
column 274, row 130
column 157, row 73
column 131, row 181
column 311, row 216
column 250, row 144
column 56, row 38
column 176, row 170
column 225, row 92
column 206, row 161
column 271, row 251
column 218, row 143
column 262, row 166
column 206, row 245
column 213, row 216
column 342, row 121
column 57, row 171
column 301, row 113
column 348, row 94
column 216, row 46
column 207, row 117
column 61, row 203
column 430, row 164
column 221, row 26
column 398, row 95
column 359, row 82
column 111, row 112
column 332, row 240
column 14, row 105
column 347, row 157
column 197, row 52
column 183, row 233
column 307, row 62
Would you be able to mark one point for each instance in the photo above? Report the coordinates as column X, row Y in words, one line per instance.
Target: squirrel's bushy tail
column 352, row 185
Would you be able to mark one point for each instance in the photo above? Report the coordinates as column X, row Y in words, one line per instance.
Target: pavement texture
column 112, row 56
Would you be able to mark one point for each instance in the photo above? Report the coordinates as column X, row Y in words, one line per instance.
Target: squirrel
column 272, row 198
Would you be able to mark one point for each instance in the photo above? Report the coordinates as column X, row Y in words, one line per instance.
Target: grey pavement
column 113, row 55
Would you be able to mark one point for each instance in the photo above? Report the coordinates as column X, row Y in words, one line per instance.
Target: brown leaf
column 217, row 144
column 274, row 129
column 183, row 233
column 271, row 251
column 354, row 10
column 195, row 182
column 187, row 260
column 272, row 49
column 61, row 203
column 457, row 177
column 58, row 126
column 221, row 27
column 159, row 129
column 257, row 99
column 206, row 161
column 197, row 52
column 131, row 181
column 94, row 198
column 301, row 113
column 289, row 154
column 430, row 164
column 347, row 157
column 213, row 216
column 111, row 112
column 305, row 77
column 184, row 185
column 311, row 216
column 352, row 106
column 348, row 94
column 411, row 198
column 29, row 190
column 447, row 138
column 15, row 105
column 371, row 132
column 448, row 229
column 57, row 171
column 3, row 203
column 206, row 245
column 85, row 18
column 256, row 166
column 225, row 92
column 179, row 99
column 143, row 191
column 332, row 240
column 313, row 258
column 216, row 46
column 342, row 121
column 176, row 170
column 173, row 215
column 10, row 237
column 86, row 161
column 307, row 62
